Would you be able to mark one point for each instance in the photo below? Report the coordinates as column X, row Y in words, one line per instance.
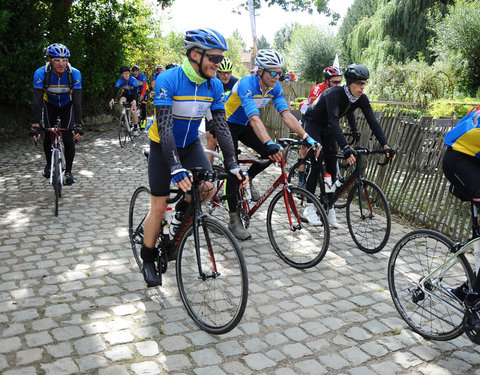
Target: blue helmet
column 57, row 50
column 204, row 39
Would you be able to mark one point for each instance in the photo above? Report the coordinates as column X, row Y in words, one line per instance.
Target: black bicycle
column 210, row 268
column 367, row 209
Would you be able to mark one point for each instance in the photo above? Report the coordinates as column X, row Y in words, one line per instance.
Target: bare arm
column 292, row 123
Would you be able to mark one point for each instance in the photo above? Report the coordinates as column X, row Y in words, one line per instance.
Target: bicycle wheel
column 292, row 154
column 215, row 300
column 139, row 207
column 122, row 131
column 368, row 216
column 57, row 176
column 217, row 205
column 300, row 245
column 429, row 311
column 299, row 173
column 343, row 172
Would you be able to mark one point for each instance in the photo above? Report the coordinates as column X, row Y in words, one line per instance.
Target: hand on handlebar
column 182, row 179
column 274, row 151
column 316, row 145
column 391, row 153
column 77, row 132
column 349, row 154
column 110, row 103
column 34, row 132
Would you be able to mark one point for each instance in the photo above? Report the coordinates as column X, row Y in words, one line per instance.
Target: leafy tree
column 238, row 37
column 284, row 36
column 234, row 53
column 310, row 51
column 457, row 43
column 263, row 42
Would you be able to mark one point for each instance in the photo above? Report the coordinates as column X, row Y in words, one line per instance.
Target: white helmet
column 269, row 58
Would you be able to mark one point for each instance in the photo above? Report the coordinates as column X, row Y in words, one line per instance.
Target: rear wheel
column 297, row 242
column 292, row 154
column 299, row 173
column 428, row 307
column 216, row 298
column 368, row 216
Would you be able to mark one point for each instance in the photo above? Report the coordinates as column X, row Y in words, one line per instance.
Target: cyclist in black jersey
column 322, row 123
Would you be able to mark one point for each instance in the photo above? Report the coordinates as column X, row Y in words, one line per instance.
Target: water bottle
column 248, row 193
column 327, row 178
column 167, row 217
column 337, row 184
column 175, row 223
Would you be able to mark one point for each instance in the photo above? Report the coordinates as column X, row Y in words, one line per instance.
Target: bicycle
column 425, row 271
column 367, row 210
column 286, row 226
column 210, row 268
column 125, row 123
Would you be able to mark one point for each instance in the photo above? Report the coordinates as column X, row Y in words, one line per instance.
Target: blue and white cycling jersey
column 58, row 92
column 246, row 99
column 189, row 102
column 127, row 86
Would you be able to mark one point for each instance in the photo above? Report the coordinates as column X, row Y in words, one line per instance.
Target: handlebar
column 369, row 151
column 291, row 141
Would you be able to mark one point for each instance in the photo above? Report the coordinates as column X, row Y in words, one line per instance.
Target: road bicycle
column 294, row 239
column 210, row 268
column 367, row 210
column 125, row 126
column 428, row 275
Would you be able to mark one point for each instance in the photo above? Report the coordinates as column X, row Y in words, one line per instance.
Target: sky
column 217, row 14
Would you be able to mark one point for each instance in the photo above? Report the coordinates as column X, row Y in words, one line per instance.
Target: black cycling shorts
column 463, row 171
column 129, row 97
column 159, row 171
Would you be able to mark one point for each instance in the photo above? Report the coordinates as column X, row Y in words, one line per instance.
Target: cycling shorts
column 159, row 175
column 129, row 97
column 463, row 171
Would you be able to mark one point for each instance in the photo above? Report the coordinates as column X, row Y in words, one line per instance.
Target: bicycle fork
column 198, row 221
column 291, row 206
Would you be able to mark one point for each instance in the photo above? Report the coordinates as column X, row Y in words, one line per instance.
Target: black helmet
column 124, row 69
column 135, row 67
column 356, row 72
column 170, row 66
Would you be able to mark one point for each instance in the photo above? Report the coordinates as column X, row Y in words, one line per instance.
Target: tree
column 263, row 43
column 234, row 53
column 283, row 37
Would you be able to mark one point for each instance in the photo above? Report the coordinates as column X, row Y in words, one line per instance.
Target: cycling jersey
column 129, row 87
column 189, row 103
column 142, row 83
column 314, row 94
column 227, row 87
column 58, row 92
column 247, row 98
column 465, row 136
column 155, row 75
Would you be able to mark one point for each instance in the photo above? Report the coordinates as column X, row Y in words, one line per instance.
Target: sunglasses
column 216, row 59
column 60, row 60
column 273, row 73
column 336, row 82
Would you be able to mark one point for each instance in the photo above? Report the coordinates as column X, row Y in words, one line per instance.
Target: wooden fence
column 414, row 185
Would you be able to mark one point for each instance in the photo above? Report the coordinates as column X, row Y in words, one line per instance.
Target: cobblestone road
column 73, row 302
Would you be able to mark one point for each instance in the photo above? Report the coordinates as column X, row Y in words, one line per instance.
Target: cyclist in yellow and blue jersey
column 142, row 93
column 248, row 96
column 182, row 97
column 57, row 91
column 129, row 94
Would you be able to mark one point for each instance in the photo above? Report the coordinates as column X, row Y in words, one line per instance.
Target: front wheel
column 57, row 178
column 297, row 242
column 122, row 131
column 424, row 300
column 139, row 207
column 215, row 296
column 368, row 216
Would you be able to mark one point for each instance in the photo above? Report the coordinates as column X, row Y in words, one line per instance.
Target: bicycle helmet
column 57, row 50
column 269, row 58
column 170, row 66
column 356, row 72
column 332, row 71
column 204, row 39
column 124, row 69
column 159, row 66
column 225, row 66
column 135, row 67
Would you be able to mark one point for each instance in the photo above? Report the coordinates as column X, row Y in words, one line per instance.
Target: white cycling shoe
column 311, row 215
column 332, row 219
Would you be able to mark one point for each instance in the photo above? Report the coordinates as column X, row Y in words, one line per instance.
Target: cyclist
column 461, row 166
column 143, row 93
column 158, row 69
column 129, row 94
column 57, row 92
column 249, row 95
column 182, row 96
column 322, row 121
column 224, row 73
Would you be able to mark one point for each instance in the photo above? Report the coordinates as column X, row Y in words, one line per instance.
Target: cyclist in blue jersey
column 182, row 97
column 224, row 73
column 249, row 95
column 142, row 93
column 129, row 94
column 57, row 92
column 158, row 69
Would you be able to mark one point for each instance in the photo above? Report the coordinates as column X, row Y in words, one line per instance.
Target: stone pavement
column 72, row 300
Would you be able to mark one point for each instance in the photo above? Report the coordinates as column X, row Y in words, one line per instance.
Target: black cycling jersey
column 325, row 112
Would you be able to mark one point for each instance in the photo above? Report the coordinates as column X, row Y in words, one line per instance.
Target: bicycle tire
column 122, row 131
column 56, row 181
column 413, row 258
column 291, row 153
column 139, row 207
column 304, row 246
column 296, row 176
column 217, row 205
column 368, row 216
column 216, row 304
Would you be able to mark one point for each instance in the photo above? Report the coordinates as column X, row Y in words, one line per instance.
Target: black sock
column 148, row 254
